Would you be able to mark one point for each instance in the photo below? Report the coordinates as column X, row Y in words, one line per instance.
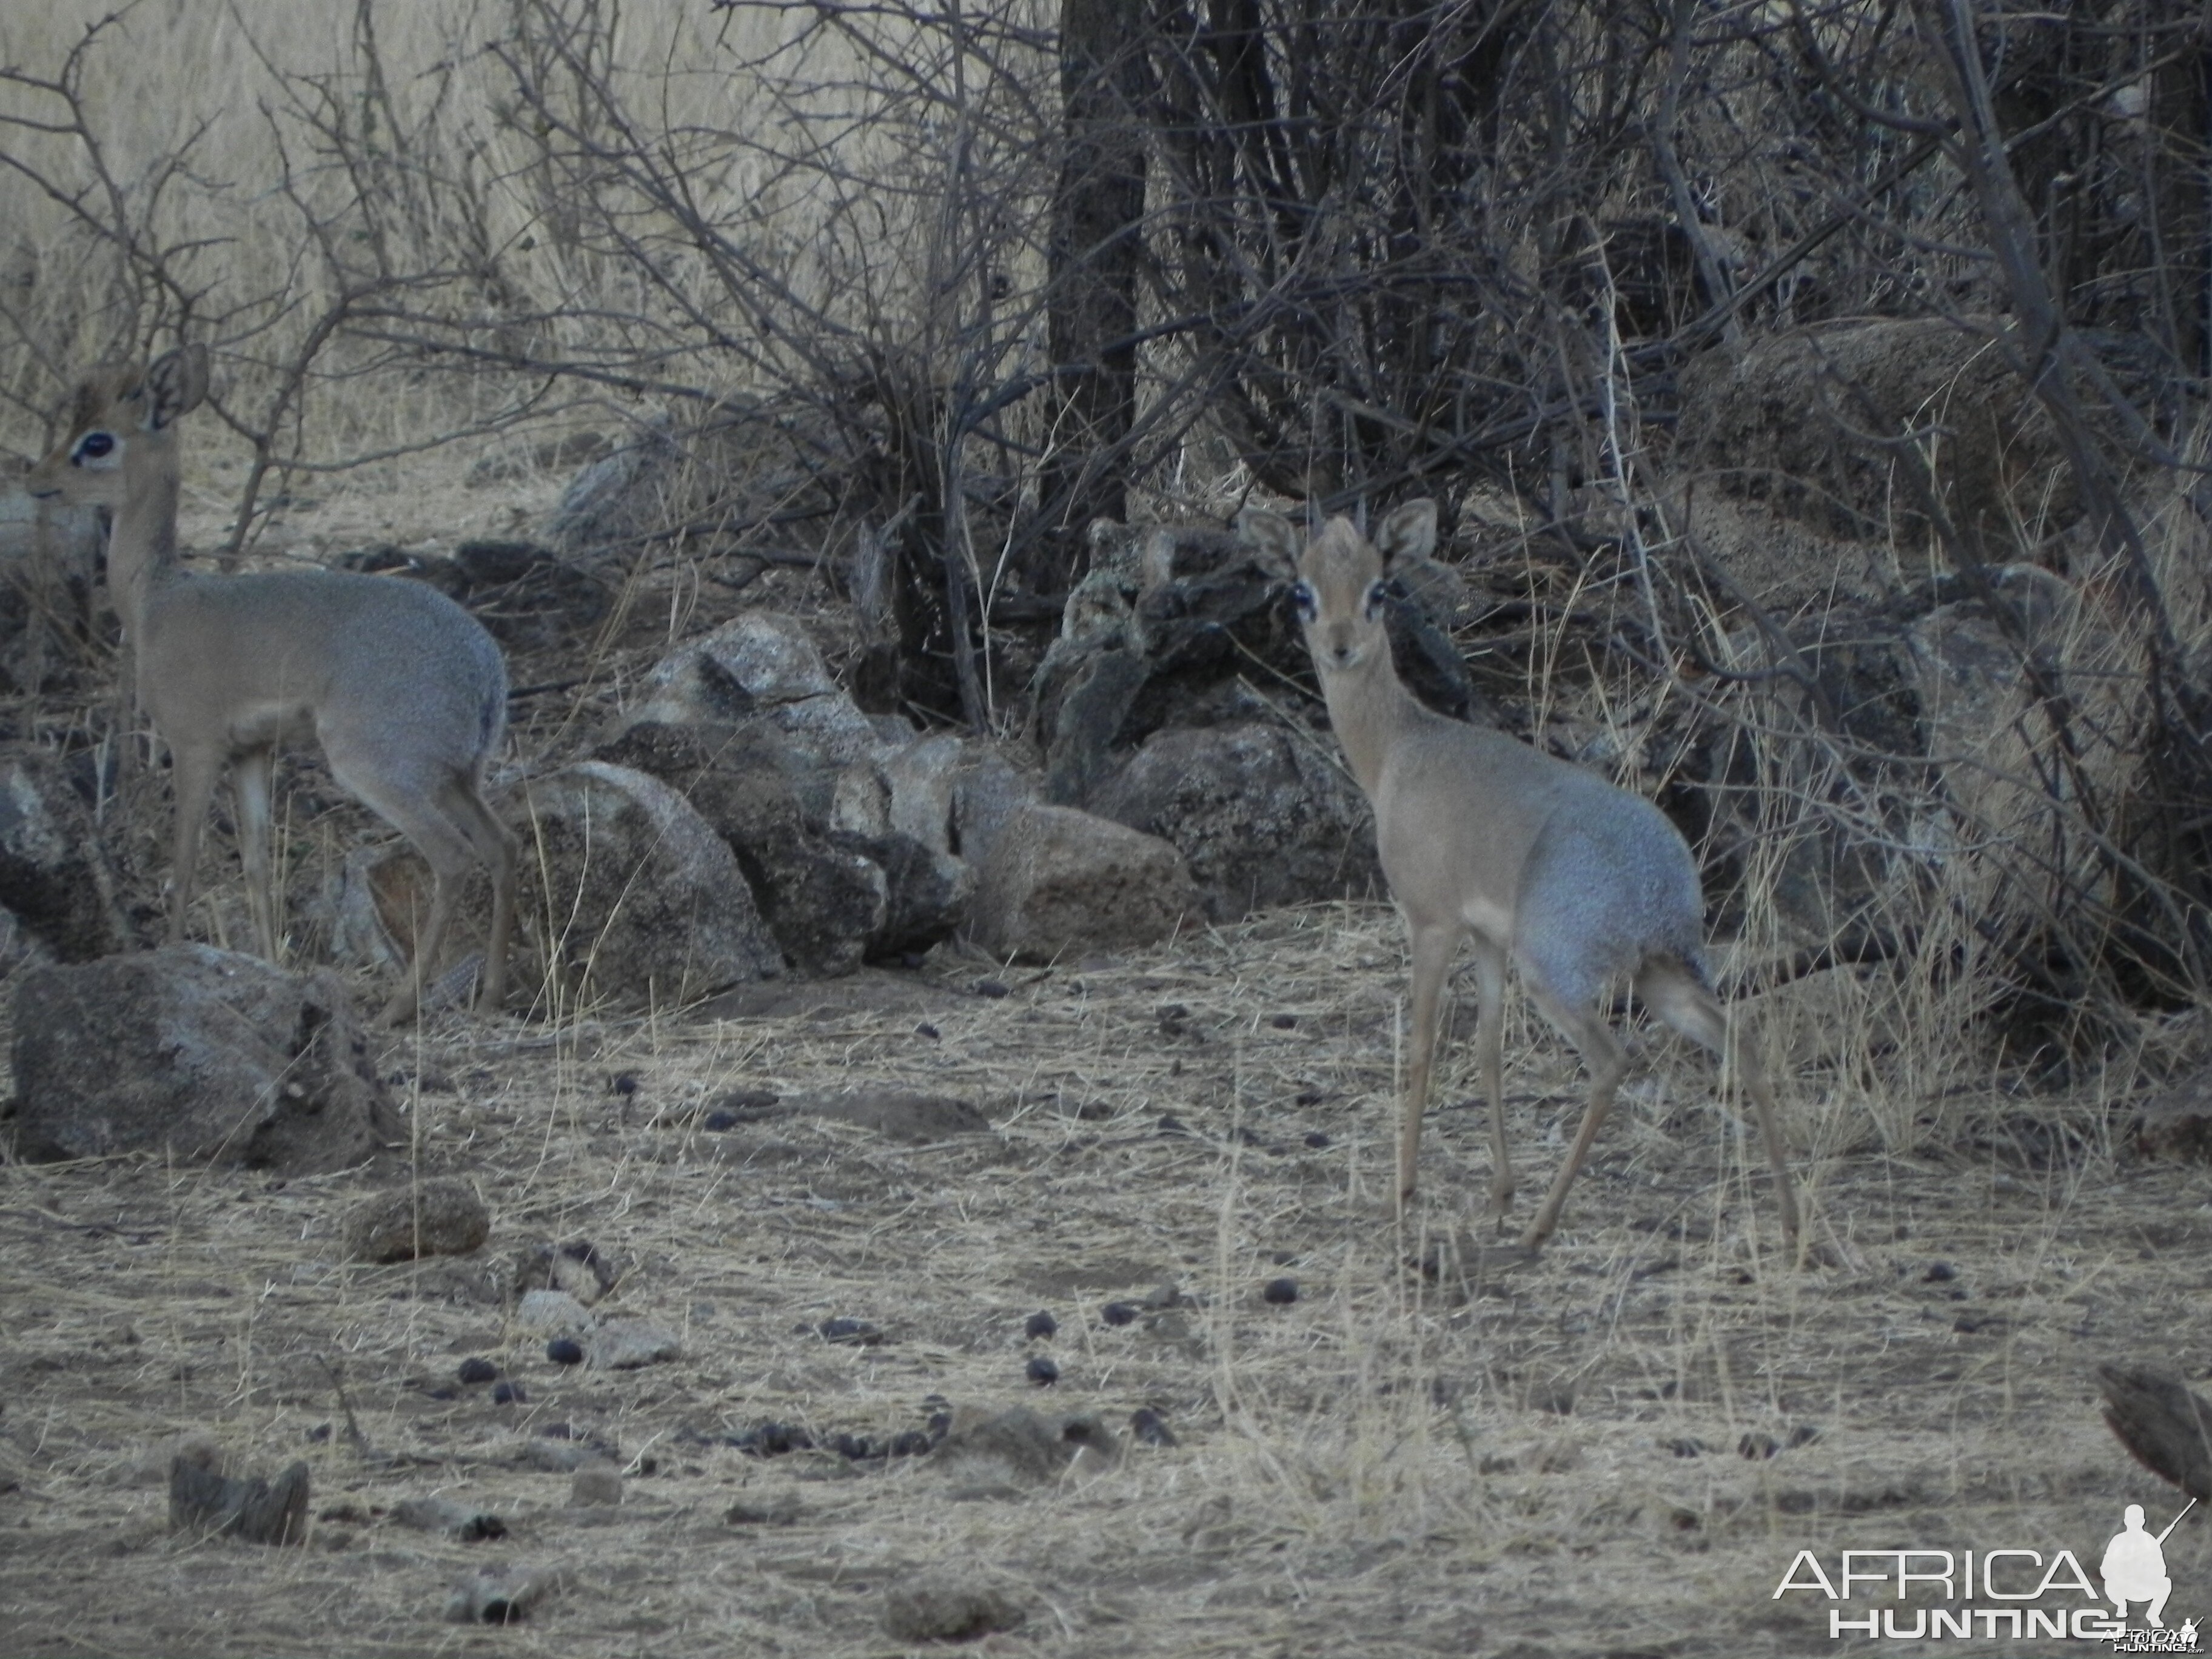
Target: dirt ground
column 1437, row 1447
column 1498, row 1458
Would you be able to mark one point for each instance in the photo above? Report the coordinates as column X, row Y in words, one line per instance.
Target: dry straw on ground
column 1546, row 1458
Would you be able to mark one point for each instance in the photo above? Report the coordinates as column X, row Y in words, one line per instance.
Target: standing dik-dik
column 1487, row 839
column 404, row 690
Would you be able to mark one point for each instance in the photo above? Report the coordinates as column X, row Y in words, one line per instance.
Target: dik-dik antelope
column 1487, row 839
column 404, row 690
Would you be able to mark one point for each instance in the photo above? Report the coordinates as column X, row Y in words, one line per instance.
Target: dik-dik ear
column 1274, row 538
column 1410, row 532
column 175, row 383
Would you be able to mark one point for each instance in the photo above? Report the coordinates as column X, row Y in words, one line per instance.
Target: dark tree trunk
column 1096, row 251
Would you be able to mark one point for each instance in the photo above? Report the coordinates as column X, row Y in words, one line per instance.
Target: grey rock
column 1058, row 879
column 551, row 1313
column 652, row 908
column 1262, row 817
column 624, row 1344
column 441, row 1217
column 203, row 1054
column 504, row 1595
column 54, row 874
column 944, row 1607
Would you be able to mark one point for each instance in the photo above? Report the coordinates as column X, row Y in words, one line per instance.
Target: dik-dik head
column 1337, row 576
column 122, row 420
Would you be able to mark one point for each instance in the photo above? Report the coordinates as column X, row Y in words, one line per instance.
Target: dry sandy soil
column 1616, row 1448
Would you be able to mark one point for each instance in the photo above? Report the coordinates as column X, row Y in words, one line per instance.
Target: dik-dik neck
column 1368, row 707
column 142, row 548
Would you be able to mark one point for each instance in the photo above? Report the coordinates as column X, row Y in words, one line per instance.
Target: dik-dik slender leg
column 191, row 776
column 494, row 845
column 1490, row 1046
column 1434, row 945
column 1677, row 998
column 1608, row 1063
column 249, row 774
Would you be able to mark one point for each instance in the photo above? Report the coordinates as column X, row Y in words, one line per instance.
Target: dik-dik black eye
column 1374, row 601
column 1303, row 596
column 94, row 446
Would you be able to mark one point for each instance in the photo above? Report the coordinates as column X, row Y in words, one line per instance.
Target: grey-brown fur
column 404, row 690
column 1488, row 841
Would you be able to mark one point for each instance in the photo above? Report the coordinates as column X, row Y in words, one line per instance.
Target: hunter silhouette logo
column 2134, row 1567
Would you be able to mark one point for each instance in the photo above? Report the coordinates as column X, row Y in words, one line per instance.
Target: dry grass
column 1379, row 1468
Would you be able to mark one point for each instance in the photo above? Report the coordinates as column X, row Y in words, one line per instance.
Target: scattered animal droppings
column 1688, row 1446
column 1150, row 1427
column 1316, row 1140
column 782, row 1511
column 773, row 1439
column 858, row 1332
column 1043, row 1372
column 622, row 1083
column 1172, row 1125
column 320, row 1433
column 1284, row 1022
column 1940, row 1272
column 719, row 1121
column 1041, row 1325
column 565, row 1351
column 477, row 1370
column 925, row 1029
column 509, row 1393
column 989, row 987
column 1758, row 1447
column 1118, row 1313
column 557, row 1431
column 1281, row 1292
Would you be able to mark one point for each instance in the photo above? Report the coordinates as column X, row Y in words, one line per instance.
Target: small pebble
column 1150, row 1427
column 320, row 1433
column 565, row 1351
column 1281, row 1291
column 989, row 987
column 1041, row 1325
column 1118, row 1313
column 925, row 1029
column 719, row 1122
column 624, row 1083
column 477, row 1370
column 1316, row 1140
column 1940, row 1272
column 1043, row 1372
column 509, row 1393
column 1284, row 1021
